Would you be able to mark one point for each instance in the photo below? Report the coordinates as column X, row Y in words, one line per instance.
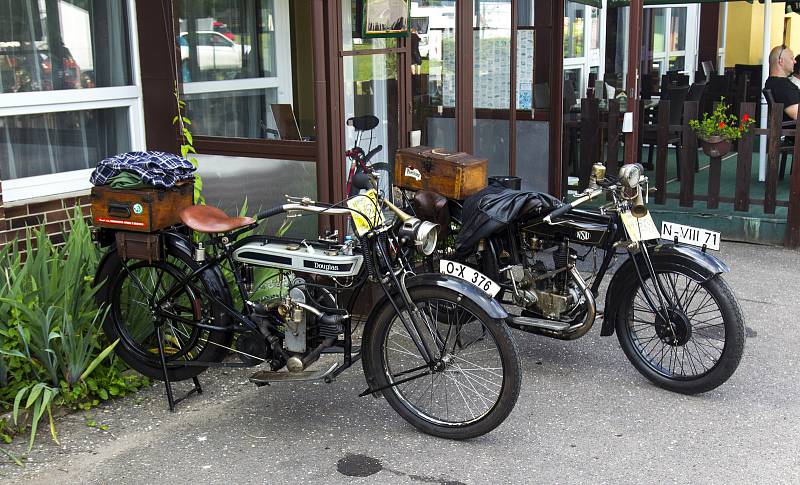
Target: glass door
column 433, row 74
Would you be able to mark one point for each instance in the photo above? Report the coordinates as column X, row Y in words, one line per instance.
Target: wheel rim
column 466, row 381
column 136, row 323
column 685, row 342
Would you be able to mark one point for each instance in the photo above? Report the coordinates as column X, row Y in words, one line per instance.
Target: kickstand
column 167, row 383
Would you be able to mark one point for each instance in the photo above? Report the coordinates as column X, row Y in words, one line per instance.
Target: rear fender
column 693, row 262
column 175, row 243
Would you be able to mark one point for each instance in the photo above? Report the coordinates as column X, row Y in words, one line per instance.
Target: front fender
column 468, row 291
column 690, row 261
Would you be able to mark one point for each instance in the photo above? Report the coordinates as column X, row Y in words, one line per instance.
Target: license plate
column 639, row 228
column 690, row 235
column 470, row 276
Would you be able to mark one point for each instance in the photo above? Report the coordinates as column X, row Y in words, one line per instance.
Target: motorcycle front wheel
column 690, row 349
column 475, row 380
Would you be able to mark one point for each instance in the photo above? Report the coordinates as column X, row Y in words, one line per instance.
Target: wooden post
column 590, row 133
column 744, row 165
column 662, row 139
column 632, row 81
column 714, row 175
column 613, row 128
column 792, row 237
column 773, row 153
column 688, row 155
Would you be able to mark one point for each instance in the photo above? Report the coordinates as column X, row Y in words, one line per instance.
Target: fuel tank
column 300, row 258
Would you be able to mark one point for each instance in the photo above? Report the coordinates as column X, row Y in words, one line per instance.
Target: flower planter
column 716, row 146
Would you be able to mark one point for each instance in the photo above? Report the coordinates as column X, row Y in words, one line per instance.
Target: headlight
column 422, row 233
column 630, row 174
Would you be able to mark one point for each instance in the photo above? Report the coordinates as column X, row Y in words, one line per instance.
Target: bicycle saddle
column 208, row 219
column 363, row 123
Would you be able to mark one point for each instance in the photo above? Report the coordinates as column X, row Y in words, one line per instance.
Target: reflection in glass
column 492, row 83
column 49, row 45
column 433, row 85
column 371, row 88
column 247, row 68
column 659, row 16
column 574, row 15
column 678, row 29
column 42, row 144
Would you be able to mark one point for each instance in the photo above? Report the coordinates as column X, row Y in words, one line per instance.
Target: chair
column 708, row 68
column 676, row 96
column 285, row 122
column 787, row 142
column 696, row 91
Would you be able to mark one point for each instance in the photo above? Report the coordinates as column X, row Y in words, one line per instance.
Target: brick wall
column 53, row 212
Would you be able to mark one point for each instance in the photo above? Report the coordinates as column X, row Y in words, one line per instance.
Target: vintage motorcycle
column 676, row 319
column 436, row 347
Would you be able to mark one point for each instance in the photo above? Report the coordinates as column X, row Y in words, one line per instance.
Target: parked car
column 215, row 51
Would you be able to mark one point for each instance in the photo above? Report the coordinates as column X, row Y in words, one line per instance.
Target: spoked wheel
column 472, row 385
column 132, row 318
column 692, row 347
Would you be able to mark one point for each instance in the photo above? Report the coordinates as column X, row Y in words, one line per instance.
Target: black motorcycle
column 676, row 319
column 436, row 348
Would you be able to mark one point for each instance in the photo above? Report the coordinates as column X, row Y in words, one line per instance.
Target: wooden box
column 140, row 210
column 453, row 175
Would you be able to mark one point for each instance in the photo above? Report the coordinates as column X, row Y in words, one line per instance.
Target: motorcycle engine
column 306, row 319
column 547, row 290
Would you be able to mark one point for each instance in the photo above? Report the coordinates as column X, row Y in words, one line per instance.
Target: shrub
column 51, row 344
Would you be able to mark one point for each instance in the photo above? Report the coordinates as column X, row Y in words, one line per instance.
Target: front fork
column 419, row 323
column 659, row 300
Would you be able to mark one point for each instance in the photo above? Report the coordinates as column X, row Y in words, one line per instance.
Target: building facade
column 269, row 85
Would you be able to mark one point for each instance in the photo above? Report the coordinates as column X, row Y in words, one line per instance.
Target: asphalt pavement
column 584, row 416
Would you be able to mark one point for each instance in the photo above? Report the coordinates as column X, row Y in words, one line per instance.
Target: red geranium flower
column 745, row 118
column 722, row 124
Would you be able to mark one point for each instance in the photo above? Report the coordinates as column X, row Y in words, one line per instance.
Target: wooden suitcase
column 140, row 210
column 453, row 175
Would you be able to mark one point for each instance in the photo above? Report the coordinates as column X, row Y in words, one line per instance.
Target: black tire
column 129, row 318
column 459, row 322
column 704, row 341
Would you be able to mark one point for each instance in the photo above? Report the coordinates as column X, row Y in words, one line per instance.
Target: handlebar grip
column 372, row 153
column 270, row 212
column 561, row 210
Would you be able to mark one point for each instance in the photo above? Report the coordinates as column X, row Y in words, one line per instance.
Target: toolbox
column 140, row 210
column 453, row 175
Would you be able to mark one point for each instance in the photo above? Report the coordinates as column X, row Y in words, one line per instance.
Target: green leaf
column 186, row 120
column 103, row 394
column 17, row 400
column 52, row 426
column 12, row 457
column 91, row 423
column 12, row 353
column 175, row 119
column 98, row 359
column 35, row 393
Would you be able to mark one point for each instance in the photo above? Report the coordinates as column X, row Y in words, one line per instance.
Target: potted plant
column 718, row 130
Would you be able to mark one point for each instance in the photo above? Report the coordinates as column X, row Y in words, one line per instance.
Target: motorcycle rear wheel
column 477, row 379
column 699, row 348
column 130, row 320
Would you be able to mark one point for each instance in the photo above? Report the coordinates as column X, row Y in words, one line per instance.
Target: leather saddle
column 208, row 219
column 430, row 206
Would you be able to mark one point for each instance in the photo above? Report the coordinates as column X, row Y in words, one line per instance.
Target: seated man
column 795, row 77
column 781, row 65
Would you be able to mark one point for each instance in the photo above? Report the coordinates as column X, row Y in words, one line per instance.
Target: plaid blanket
column 159, row 169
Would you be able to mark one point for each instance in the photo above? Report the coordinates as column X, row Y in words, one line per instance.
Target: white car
column 214, row 51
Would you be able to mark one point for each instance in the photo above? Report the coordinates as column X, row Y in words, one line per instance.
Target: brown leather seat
column 204, row 218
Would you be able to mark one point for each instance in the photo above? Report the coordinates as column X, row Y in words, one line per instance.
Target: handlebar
column 568, row 207
column 372, row 153
column 270, row 212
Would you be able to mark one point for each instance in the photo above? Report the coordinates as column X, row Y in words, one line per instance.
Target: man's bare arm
column 791, row 111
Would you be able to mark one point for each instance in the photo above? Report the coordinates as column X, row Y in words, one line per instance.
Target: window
column 67, row 92
column 246, row 68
